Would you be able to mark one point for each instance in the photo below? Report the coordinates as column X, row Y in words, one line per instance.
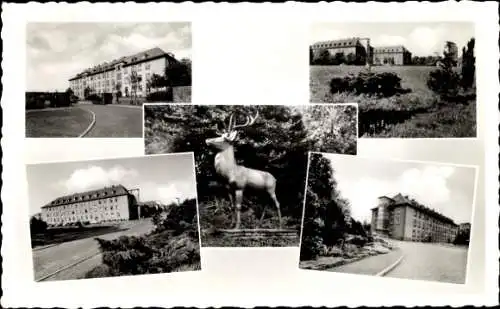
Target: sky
column 163, row 178
column 56, row 52
column 447, row 189
column 421, row 39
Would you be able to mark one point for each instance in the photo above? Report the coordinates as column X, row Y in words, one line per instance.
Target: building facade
column 114, row 203
column 404, row 219
column 391, row 55
column 351, row 47
column 115, row 76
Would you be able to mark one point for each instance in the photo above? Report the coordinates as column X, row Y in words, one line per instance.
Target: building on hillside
column 115, row 75
column 391, row 55
column 404, row 219
column 351, row 49
column 114, row 203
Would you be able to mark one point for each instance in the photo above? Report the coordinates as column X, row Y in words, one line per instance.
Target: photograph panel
column 113, row 217
column 414, row 80
column 91, row 79
column 250, row 162
column 412, row 220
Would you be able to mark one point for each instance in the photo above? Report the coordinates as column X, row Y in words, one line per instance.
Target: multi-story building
column 114, row 203
column 351, row 47
column 402, row 218
column 391, row 55
column 115, row 75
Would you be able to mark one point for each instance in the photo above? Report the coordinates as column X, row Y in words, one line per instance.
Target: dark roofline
column 113, row 63
column 428, row 211
column 120, row 192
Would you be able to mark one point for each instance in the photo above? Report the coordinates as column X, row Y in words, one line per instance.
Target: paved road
column 115, row 120
column 431, row 262
column 371, row 265
column 47, row 261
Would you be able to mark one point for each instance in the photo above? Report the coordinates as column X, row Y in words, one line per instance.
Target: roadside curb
column 45, row 247
column 390, row 267
column 92, row 124
column 68, row 266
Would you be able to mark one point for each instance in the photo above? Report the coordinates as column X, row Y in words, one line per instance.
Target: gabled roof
column 115, row 190
column 343, row 43
column 146, row 55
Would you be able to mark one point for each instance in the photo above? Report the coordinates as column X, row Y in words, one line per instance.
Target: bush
column 384, row 84
column 444, row 82
column 158, row 96
column 96, row 99
column 37, row 225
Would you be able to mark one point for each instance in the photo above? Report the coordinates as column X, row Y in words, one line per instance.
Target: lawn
column 68, row 122
column 54, row 236
column 418, row 114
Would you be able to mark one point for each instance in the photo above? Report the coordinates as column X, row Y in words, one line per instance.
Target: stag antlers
column 230, row 132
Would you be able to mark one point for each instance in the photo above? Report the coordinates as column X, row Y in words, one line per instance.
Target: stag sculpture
column 239, row 177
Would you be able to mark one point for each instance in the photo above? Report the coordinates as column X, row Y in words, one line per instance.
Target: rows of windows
column 333, row 44
column 101, row 82
column 97, row 210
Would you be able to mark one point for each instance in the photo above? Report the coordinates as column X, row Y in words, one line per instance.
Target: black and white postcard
column 412, row 80
column 113, row 217
column 250, row 162
column 400, row 219
column 90, row 79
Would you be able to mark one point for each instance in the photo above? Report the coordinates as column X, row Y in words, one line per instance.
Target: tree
column 324, row 57
column 135, row 80
column 468, row 65
column 326, row 214
column 37, row 225
column 445, row 81
column 350, row 59
column 339, row 58
column 178, row 73
column 86, row 92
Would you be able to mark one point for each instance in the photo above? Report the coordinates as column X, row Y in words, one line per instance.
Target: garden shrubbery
column 378, row 84
column 173, row 245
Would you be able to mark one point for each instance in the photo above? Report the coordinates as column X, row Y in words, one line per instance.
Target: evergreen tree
column 468, row 65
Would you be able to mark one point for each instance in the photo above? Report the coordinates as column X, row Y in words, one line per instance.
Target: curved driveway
column 431, row 262
column 115, row 120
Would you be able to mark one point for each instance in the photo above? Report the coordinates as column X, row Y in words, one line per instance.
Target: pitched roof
column 400, row 200
column 146, row 55
column 343, row 43
column 115, row 190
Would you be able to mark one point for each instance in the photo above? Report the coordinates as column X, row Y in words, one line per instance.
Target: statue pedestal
column 259, row 233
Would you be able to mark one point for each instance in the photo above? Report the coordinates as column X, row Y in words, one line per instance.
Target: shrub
column 384, row 84
column 96, row 99
column 443, row 82
column 37, row 225
column 166, row 96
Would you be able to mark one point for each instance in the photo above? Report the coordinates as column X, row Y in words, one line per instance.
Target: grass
column 70, row 122
column 418, row 114
column 413, row 77
column 60, row 235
